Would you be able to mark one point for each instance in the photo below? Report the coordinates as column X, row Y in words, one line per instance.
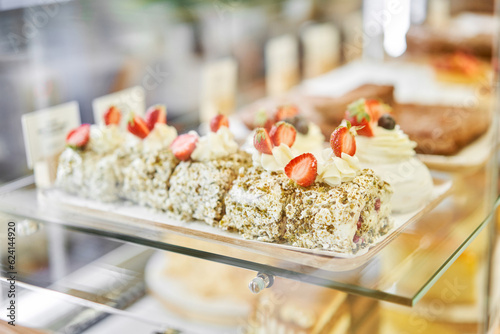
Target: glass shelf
column 401, row 273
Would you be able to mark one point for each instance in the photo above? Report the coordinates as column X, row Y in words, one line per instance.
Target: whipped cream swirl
column 160, row 137
column 334, row 170
column 385, row 146
column 275, row 162
column 105, row 139
column 309, row 142
column 215, row 145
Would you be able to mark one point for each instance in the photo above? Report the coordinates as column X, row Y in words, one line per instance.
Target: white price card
column 321, row 49
column 282, row 64
column 218, row 88
column 45, row 130
column 127, row 100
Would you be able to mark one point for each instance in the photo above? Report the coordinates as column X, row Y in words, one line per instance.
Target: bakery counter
column 399, row 271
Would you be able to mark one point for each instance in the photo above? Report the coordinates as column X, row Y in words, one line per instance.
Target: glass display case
column 78, row 265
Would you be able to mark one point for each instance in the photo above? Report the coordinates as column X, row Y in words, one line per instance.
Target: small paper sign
column 45, row 131
column 127, row 100
column 282, row 64
column 218, row 88
column 321, row 49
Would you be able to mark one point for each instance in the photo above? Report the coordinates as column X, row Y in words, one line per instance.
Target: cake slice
column 342, row 218
column 209, row 166
column 255, row 205
column 89, row 166
column 151, row 162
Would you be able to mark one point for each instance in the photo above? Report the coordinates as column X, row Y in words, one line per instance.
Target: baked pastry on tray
column 207, row 169
column 88, row 167
column 151, row 162
column 324, row 201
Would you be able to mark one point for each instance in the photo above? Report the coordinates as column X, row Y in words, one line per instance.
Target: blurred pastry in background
column 293, row 307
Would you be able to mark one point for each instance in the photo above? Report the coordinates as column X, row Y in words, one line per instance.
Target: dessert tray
column 131, row 214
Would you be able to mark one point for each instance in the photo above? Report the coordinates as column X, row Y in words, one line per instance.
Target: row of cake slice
column 211, row 179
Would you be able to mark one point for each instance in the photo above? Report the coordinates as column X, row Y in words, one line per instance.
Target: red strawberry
column 364, row 127
column 112, row 116
column 262, row 141
column 302, row 169
column 156, row 114
column 342, row 140
column 262, row 120
column 137, row 126
column 79, row 137
column 218, row 121
column 184, row 145
column 376, row 109
column 364, row 114
column 286, row 111
column 283, row 132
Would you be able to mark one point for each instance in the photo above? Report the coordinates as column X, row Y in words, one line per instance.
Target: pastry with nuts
column 151, row 161
column 208, row 167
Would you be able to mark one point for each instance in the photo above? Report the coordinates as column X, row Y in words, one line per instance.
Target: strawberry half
column 262, row 141
column 79, row 137
column 286, row 111
column 137, row 126
column 156, row 114
column 302, row 169
column 217, row 122
column 283, row 132
column 184, row 145
column 343, row 141
column 112, row 116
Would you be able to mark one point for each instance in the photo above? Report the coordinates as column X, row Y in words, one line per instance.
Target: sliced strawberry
column 283, row 132
column 184, row 145
column 79, row 137
column 217, row 122
column 286, row 111
column 137, row 126
column 156, row 114
column 262, row 141
column 302, row 169
column 343, row 141
column 112, row 116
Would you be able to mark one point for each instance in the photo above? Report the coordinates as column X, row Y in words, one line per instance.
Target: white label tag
column 218, row 88
column 45, row 130
column 127, row 100
column 321, row 49
column 282, row 64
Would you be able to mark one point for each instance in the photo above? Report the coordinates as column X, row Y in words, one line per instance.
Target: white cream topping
column 334, row 170
column 411, row 181
column 160, row 137
column 105, row 139
column 312, row 141
column 215, row 145
column 385, row 146
column 275, row 162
